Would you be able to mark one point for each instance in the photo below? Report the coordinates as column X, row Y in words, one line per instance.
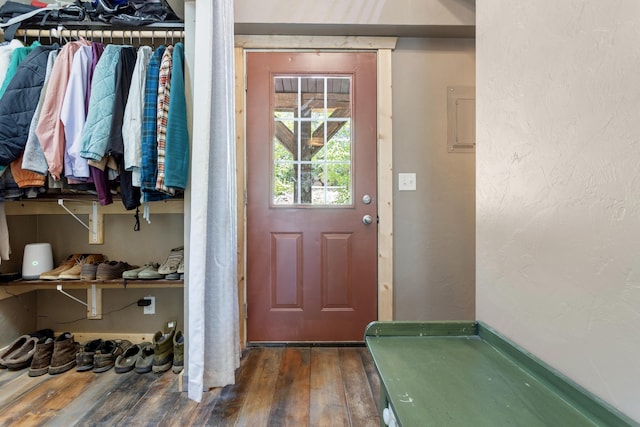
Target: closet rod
column 101, row 34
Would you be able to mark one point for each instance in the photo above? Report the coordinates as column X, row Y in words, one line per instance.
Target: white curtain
column 213, row 324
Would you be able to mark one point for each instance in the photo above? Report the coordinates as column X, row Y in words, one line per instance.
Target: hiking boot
column 112, row 270
column 64, row 354
column 105, row 357
column 66, row 265
column 84, row 358
column 178, row 352
column 176, row 256
column 42, row 357
column 163, row 348
column 75, row 272
column 21, row 358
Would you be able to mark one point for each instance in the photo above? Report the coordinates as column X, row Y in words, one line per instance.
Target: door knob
column 367, row 219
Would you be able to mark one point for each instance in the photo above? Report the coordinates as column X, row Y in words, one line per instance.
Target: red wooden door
column 311, row 187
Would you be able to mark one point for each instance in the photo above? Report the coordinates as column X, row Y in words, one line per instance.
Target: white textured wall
column 558, row 186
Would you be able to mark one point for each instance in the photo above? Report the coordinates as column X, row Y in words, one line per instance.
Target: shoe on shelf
column 64, row 266
column 178, row 352
column 112, row 270
column 88, row 271
column 144, row 363
column 176, row 256
column 105, row 357
column 181, row 267
column 75, row 272
column 127, row 361
column 64, row 354
column 163, row 347
column 42, row 357
column 150, row 272
column 21, row 358
column 135, row 273
column 84, row 357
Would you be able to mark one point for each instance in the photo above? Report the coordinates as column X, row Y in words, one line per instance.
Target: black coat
column 19, row 103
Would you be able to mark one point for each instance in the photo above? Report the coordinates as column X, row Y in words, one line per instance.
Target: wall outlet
column 151, row 308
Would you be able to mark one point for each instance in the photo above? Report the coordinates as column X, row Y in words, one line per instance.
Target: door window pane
column 312, row 143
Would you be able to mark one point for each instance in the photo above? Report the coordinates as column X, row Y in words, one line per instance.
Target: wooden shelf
column 84, row 206
column 10, row 289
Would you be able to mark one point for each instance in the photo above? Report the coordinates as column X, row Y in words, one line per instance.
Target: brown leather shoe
column 64, row 354
column 74, row 273
column 86, row 354
column 66, row 264
column 112, row 270
column 42, row 357
column 105, row 357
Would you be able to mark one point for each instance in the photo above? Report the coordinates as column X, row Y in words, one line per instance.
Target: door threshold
column 306, row 344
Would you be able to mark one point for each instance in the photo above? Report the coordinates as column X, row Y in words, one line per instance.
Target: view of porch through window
column 312, row 141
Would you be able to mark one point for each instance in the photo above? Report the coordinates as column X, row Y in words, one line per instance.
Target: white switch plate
column 407, row 182
column 151, row 308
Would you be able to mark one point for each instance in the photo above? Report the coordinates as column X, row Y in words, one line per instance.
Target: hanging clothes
column 132, row 121
column 19, row 100
column 164, row 96
column 176, row 164
column 115, row 148
column 34, row 159
column 95, row 134
column 50, row 129
column 5, row 56
column 74, row 112
column 149, row 133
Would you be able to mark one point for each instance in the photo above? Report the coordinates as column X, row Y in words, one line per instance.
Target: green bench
column 466, row 374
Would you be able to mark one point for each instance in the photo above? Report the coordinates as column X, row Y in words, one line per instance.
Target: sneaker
column 178, row 352
column 75, row 272
column 181, row 267
column 150, row 273
column 105, row 357
column 163, row 348
column 84, row 358
column 66, row 265
column 112, row 270
column 135, row 273
column 64, row 354
column 172, row 262
column 42, row 357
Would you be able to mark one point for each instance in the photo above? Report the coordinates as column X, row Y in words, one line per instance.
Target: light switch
column 407, row 182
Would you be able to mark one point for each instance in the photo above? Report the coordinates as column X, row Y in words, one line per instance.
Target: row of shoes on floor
column 43, row 353
column 96, row 267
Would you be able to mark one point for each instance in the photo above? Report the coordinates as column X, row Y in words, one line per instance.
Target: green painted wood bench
column 466, row 374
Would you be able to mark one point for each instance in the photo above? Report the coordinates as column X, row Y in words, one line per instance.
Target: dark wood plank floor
column 275, row 386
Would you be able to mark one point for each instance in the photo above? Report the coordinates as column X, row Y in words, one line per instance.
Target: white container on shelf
column 37, row 259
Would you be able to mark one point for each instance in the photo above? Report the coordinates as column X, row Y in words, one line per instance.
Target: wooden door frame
column 383, row 46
